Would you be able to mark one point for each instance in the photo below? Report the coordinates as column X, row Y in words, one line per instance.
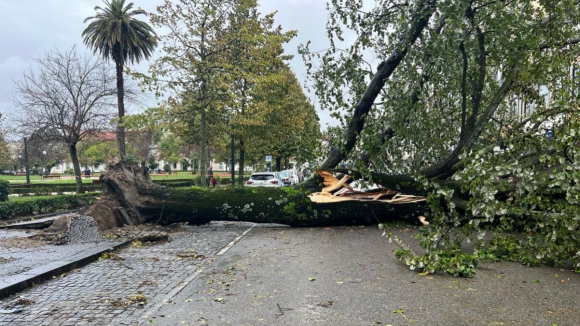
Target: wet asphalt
column 350, row 276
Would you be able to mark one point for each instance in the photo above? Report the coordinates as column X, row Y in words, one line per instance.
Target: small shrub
column 4, row 190
column 153, row 166
column 46, row 204
column 166, row 168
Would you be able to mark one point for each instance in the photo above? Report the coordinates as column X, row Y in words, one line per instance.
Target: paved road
column 349, row 276
column 284, row 276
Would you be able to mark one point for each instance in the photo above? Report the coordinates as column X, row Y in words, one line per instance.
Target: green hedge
column 25, row 206
column 4, row 190
column 48, row 188
column 196, row 181
column 174, row 183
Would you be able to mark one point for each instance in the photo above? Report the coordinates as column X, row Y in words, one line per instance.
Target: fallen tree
column 130, row 198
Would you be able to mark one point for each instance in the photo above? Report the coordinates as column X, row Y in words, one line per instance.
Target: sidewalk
column 101, row 293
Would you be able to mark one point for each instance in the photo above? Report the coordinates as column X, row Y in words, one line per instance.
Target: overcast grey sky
column 31, row 28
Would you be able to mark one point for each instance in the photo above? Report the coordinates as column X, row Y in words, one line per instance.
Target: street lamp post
column 44, row 160
column 26, row 161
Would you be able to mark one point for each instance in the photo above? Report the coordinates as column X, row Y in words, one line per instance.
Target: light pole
column 44, row 160
column 26, row 161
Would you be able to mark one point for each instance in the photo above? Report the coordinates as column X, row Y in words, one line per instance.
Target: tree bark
column 121, row 108
column 76, row 167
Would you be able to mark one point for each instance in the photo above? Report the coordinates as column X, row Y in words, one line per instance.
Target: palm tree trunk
column 121, row 107
column 77, row 168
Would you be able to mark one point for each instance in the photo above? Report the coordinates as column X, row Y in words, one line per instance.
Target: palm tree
column 115, row 34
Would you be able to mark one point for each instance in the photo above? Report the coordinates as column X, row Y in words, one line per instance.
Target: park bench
column 97, row 181
column 20, row 173
column 51, row 176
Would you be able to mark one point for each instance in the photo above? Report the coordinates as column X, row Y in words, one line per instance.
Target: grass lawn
column 20, row 178
column 33, row 198
column 16, row 180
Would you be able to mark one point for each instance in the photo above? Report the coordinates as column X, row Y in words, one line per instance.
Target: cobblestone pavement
column 16, row 260
column 118, row 291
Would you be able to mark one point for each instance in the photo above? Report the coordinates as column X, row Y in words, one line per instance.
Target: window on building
column 529, row 108
column 575, row 80
column 516, row 104
column 545, row 93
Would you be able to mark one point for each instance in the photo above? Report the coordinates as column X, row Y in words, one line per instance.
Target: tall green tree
column 290, row 125
column 144, row 131
column 257, row 55
column 6, row 157
column 191, row 66
column 115, row 34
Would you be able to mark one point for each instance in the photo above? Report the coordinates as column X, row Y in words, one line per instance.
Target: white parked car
column 264, row 179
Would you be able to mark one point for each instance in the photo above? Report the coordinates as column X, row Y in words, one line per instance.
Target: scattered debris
column 338, row 190
column 142, row 234
column 139, row 299
column 189, row 254
column 281, row 310
column 11, row 311
column 24, row 302
column 327, row 304
column 423, row 220
column 16, row 306
column 111, row 255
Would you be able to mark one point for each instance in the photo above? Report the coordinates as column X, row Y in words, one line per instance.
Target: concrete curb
column 10, row 223
column 14, row 284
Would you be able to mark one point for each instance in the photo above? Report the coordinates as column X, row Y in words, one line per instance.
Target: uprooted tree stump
column 131, row 198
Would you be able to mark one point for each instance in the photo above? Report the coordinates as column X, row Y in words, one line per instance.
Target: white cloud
column 31, row 28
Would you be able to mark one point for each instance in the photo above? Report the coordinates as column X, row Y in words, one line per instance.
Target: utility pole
column 26, row 161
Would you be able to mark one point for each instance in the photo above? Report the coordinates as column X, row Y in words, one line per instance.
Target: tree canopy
column 218, row 56
column 115, row 34
column 476, row 101
column 67, row 99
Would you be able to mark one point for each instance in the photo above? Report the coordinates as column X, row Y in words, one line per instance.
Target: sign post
column 268, row 163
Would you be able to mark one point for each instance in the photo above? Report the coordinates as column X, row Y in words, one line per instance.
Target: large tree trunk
column 131, row 198
column 121, row 108
column 76, row 167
